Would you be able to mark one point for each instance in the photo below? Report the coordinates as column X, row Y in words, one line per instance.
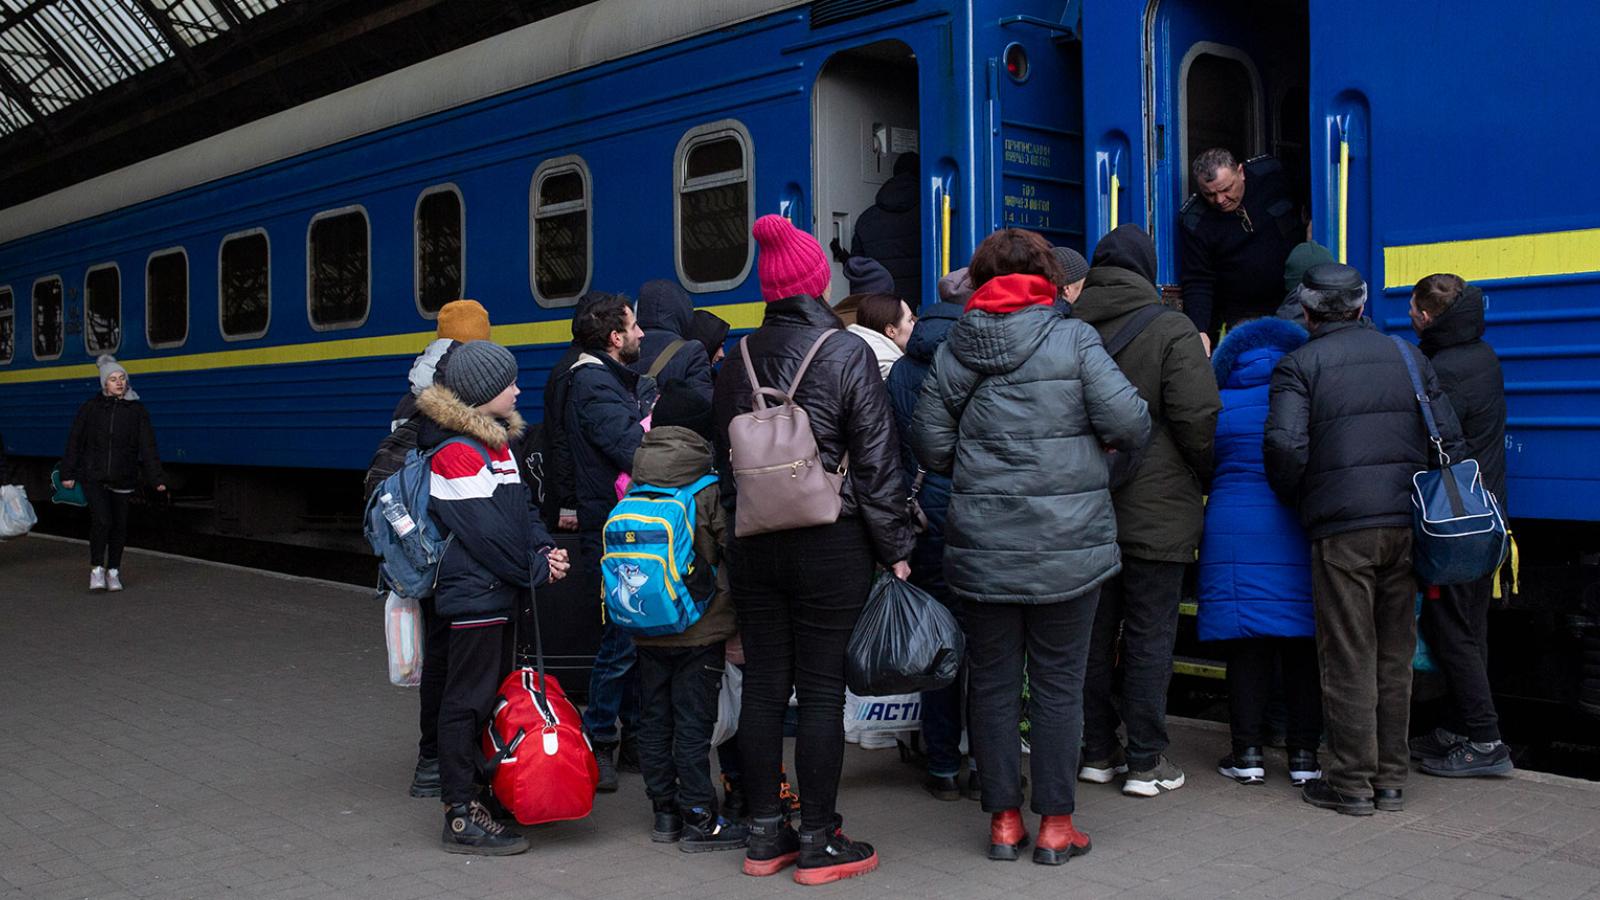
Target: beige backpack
column 781, row 481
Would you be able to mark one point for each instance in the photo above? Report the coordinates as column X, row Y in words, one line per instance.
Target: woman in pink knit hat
column 800, row 591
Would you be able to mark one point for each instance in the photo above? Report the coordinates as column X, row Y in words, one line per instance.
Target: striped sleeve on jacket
column 485, row 508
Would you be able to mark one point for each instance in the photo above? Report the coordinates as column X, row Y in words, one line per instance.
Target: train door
column 865, row 119
column 1222, row 73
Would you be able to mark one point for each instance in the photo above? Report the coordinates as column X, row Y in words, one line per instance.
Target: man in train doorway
column 605, row 414
column 1447, row 313
column 1344, row 436
column 1236, row 232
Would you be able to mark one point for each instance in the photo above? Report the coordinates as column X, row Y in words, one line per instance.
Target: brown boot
column 1059, row 841
column 1007, row 834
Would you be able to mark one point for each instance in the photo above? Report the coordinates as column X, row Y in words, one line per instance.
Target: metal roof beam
column 61, row 59
column 163, row 25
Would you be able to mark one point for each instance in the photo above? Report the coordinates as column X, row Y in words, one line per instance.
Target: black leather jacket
column 848, row 406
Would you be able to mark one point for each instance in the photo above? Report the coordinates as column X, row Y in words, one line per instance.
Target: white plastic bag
column 729, row 702
column 16, row 513
column 893, row 713
column 402, row 630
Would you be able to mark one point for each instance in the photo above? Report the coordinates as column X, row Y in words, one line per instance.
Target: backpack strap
column 665, row 357
column 1134, row 327
column 1421, row 394
column 760, row 394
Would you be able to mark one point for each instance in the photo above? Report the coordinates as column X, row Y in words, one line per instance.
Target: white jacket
column 885, row 350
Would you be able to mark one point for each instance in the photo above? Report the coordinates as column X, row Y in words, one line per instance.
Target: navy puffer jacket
column 1255, row 561
column 905, row 384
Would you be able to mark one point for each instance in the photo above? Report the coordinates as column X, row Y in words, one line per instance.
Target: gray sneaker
column 1105, row 769
column 1163, row 776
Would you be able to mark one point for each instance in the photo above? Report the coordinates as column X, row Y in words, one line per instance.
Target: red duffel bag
column 540, row 762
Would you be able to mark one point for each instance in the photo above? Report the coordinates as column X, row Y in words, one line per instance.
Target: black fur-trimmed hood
column 447, row 415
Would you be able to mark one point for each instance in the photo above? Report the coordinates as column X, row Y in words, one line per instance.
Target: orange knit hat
column 464, row 320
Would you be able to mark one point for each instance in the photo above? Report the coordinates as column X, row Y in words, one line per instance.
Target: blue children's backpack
column 399, row 528
column 648, row 545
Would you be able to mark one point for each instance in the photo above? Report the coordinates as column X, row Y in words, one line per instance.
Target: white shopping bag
column 893, row 713
column 729, row 702
column 402, row 630
column 16, row 513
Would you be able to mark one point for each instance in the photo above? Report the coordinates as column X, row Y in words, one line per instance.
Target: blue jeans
column 614, row 680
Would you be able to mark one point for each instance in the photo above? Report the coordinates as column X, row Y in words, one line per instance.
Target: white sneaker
column 1164, row 776
column 878, row 740
column 97, row 578
column 113, row 582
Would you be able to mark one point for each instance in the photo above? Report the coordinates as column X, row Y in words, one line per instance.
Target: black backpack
column 390, row 456
column 1124, row 464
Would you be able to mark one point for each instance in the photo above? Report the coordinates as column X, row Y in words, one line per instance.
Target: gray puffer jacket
column 1017, row 410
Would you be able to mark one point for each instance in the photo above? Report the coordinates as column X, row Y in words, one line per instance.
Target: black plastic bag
column 905, row 642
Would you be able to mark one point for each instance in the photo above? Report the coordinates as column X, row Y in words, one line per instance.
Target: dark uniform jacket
column 1344, row 431
column 890, row 231
column 1159, row 511
column 1469, row 374
column 1017, row 410
column 665, row 315
column 604, row 411
column 1231, row 272
column 112, row 443
column 844, row 397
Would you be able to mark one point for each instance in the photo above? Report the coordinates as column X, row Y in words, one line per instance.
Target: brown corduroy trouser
column 1365, row 599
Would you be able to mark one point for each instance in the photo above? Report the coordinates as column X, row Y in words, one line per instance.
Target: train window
column 339, row 276
column 102, row 309
column 561, row 240
column 715, row 206
column 1221, row 103
column 244, row 285
column 441, row 248
column 166, row 299
column 49, row 322
column 8, row 326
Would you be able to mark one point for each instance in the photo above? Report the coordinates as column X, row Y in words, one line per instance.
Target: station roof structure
column 88, row 86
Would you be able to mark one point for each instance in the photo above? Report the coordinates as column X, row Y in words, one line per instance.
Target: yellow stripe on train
column 522, row 334
column 1488, row 259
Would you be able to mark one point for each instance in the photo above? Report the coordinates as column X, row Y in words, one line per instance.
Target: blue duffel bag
column 1458, row 531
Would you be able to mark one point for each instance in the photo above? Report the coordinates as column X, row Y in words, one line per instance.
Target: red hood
column 1009, row 293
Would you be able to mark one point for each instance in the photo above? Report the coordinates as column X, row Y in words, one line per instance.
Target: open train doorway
column 866, row 181
column 1224, row 73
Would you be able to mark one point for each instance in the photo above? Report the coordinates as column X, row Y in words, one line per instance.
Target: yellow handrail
column 1344, row 199
column 944, row 235
column 1116, row 186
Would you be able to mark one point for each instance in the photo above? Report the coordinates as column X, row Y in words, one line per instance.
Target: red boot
column 1059, row 841
column 1007, row 834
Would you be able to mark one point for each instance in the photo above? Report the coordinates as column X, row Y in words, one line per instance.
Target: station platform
column 219, row 732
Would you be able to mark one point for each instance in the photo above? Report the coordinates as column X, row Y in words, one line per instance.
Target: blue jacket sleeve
column 606, row 417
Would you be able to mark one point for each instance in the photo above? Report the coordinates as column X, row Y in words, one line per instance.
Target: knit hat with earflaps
column 478, row 371
column 464, row 320
column 788, row 261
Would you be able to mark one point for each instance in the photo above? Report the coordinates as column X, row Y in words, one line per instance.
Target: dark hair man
column 1235, row 233
column 1448, row 315
column 1349, row 477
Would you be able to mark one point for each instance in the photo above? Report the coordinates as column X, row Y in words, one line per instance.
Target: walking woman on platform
column 111, row 449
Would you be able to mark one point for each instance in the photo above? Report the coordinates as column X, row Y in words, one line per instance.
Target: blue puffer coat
column 1255, row 561
column 905, row 385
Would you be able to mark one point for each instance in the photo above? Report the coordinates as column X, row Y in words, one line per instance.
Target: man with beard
column 605, row 425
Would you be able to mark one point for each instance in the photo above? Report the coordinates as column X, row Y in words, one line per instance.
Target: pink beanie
column 790, row 261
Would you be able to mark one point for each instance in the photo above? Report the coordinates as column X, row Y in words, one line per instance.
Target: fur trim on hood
column 1255, row 334
column 440, row 404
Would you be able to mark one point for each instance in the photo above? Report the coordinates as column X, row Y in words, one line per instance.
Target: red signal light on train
column 1016, row 62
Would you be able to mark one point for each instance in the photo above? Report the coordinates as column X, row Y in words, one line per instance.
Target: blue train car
column 266, row 287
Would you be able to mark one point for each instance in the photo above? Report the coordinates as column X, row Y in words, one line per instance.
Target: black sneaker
column 1469, row 760
column 628, row 754
column 668, row 825
column 1435, row 744
column 827, row 854
column 608, row 769
column 705, row 831
column 425, row 780
column 772, row 846
column 1303, row 767
column 1319, row 793
column 1246, row 766
column 734, row 804
column 942, row 787
column 469, row 828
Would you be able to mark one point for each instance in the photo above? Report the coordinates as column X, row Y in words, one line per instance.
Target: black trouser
column 798, row 594
column 435, row 663
column 678, row 711
column 1456, row 626
column 1141, row 602
column 1053, row 638
column 108, row 524
column 472, row 681
column 1252, row 663
column 1365, row 599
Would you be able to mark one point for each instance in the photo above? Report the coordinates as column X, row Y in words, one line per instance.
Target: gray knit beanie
column 478, row 371
column 1072, row 263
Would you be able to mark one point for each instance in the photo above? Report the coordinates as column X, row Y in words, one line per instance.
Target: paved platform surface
column 214, row 732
